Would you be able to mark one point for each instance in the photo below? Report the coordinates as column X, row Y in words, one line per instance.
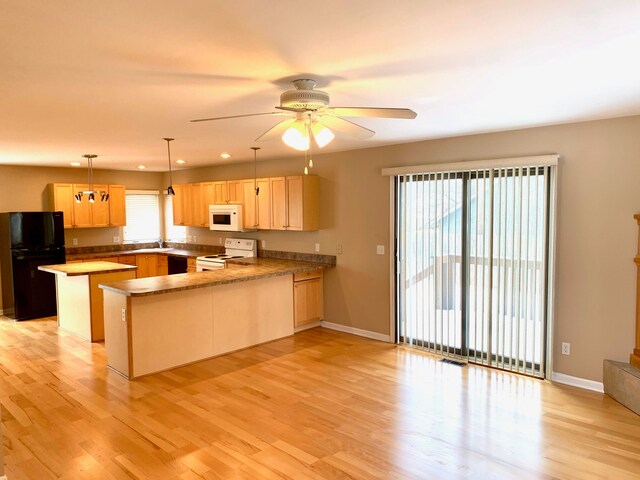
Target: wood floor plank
column 318, row 405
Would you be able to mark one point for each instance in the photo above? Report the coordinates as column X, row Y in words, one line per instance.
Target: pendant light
column 255, row 170
column 91, row 192
column 170, row 190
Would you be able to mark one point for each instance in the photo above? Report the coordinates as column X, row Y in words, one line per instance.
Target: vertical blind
column 143, row 216
column 471, row 272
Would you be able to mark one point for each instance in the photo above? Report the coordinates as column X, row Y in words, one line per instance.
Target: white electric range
column 233, row 248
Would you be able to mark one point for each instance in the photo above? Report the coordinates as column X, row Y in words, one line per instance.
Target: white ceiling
column 114, row 77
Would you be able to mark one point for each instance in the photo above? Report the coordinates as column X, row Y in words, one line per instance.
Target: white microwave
column 226, row 218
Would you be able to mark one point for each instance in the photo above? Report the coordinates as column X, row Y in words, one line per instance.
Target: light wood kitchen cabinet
column 235, row 192
column 208, row 198
column 147, row 265
column 117, row 206
column 178, row 204
column 127, row 259
column 191, row 265
column 99, row 209
column 163, row 265
column 199, row 216
column 187, row 203
column 82, row 211
column 220, row 193
column 257, row 208
column 294, row 202
column 307, row 298
column 62, row 201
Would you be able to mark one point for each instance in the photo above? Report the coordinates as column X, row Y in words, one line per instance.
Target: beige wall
column 596, row 239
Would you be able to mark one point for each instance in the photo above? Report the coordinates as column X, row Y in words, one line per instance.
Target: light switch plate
column 116, row 239
column 195, row 239
column 263, row 243
column 380, row 249
column 339, row 249
column 74, row 241
column 317, row 247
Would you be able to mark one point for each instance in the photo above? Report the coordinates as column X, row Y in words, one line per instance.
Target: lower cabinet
column 307, row 298
column 163, row 265
column 147, row 265
column 191, row 265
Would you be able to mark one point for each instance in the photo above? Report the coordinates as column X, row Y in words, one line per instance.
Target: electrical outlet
column 116, row 239
column 263, row 243
column 339, row 249
column 380, row 249
column 566, row 348
column 195, row 239
column 124, row 314
column 317, row 247
column 74, row 241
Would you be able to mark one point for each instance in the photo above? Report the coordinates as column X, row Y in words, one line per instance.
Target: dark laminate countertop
column 242, row 271
column 86, row 268
column 176, row 252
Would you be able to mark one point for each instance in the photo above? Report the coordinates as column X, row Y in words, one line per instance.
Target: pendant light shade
column 170, row 190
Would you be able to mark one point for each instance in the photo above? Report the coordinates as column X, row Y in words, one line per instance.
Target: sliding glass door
column 471, row 276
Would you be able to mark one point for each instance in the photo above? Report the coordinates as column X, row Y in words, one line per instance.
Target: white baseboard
column 577, row 382
column 356, row 331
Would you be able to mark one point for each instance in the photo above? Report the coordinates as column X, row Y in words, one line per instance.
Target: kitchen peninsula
column 79, row 298
column 158, row 323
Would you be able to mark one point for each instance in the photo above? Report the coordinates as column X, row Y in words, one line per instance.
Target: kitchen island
column 158, row 323
column 80, row 301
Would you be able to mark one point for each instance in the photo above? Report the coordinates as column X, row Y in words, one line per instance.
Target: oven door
column 206, row 266
column 225, row 218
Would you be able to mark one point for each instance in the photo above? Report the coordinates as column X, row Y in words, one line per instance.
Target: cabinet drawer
column 162, row 261
column 191, row 263
column 297, row 277
column 127, row 259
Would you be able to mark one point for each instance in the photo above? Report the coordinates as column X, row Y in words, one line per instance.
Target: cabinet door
column 235, row 191
column 264, row 204
column 249, row 214
column 197, row 205
column 177, row 201
column 295, row 206
column 63, row 202
column 220, row 193
column 191, row 265
column 208, row 198
column 187, row 203
column 82, row 211
column 142, row 262
column 152, row 264
column 117, row 209
column 163, row 265
column 278, row 187
column 100, row 213
column 307, row 301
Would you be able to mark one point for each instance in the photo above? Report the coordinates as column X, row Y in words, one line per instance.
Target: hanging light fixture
column 170, row 190
column 255, row 170
column 300, row 132
column 91, row 192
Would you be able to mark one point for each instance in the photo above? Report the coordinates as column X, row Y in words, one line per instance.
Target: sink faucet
column 160, row 242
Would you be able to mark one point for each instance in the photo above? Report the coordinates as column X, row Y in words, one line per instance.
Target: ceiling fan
column 310, row 116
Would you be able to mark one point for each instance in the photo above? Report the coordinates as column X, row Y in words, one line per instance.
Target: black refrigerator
column 28, row 240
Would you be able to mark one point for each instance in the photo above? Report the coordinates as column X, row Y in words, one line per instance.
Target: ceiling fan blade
column 345, row 126
column 371, row 112
column 276, row 131
column 238, row 116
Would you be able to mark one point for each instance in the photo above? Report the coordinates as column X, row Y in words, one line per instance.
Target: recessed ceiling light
column 181, row 162
column 225, row 155
column 75, row 164
column 141, row 167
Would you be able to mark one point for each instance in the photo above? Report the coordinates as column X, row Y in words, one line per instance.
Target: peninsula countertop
column 86, row 268
column 243, row 270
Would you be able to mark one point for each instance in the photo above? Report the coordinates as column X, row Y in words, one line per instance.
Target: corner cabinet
column 294, row 203
column 307, row 298
column 85, row 214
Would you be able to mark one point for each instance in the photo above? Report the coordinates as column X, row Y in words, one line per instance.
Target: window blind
column 143, row 216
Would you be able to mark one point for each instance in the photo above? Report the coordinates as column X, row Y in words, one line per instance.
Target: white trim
column 577, row 382
column 551, row 264
column 142, row 192
column 4, row 477
column 356, row 331
column 535, row 160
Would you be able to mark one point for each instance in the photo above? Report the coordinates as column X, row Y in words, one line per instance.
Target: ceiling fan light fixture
column 321, row 134
column 296, row 136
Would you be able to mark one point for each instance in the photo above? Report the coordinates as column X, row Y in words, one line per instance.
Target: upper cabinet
column 235, row 191
column 257, row 208
column 294, row 203
column 220, row 193
column 178, row 204
column 117, row 208
column 85, row 214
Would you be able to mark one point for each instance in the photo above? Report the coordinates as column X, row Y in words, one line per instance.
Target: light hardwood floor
column 319, row 405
